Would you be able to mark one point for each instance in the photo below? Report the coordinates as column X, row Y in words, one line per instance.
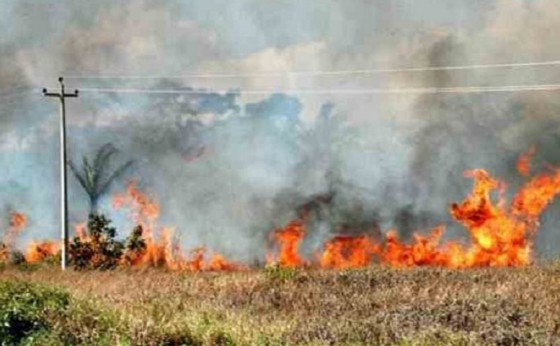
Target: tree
column 95, row 177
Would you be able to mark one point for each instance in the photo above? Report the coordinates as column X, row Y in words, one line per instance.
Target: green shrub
column 26, row 310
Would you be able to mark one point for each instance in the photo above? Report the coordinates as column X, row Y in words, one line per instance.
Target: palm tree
column 95, row 177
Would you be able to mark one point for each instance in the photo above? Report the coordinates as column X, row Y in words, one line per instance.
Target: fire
column 219, row 263
column 500, row 235
column 423, row 251
column 348, row 252
column 289, row 239
column 37, row 252
column 162, row 251
column 535, row 195
column 18, row 221
column 156, row 253
column 144, row 209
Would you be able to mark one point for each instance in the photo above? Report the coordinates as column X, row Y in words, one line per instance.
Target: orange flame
column 37, row 252
column 17, row 223
column 289, row 239
column 348, row 252
column 499, row 235
column 219, row 263
column 18, row 220
column 163, row 251
column 423, row 251
column 143, row 208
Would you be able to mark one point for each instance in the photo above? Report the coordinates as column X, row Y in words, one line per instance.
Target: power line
column 426, row 90
column 287, row 74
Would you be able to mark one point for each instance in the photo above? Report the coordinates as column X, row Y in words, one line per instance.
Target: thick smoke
column 229, row 168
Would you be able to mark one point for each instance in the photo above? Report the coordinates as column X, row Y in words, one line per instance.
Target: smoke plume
column 227, row 168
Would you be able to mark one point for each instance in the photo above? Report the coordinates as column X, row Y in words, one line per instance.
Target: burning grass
column 275, row 306
column 500, row 234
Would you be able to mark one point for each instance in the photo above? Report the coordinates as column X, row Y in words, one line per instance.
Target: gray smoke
column 228, row 168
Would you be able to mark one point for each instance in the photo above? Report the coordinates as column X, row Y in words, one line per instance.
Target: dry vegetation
column 378, row 305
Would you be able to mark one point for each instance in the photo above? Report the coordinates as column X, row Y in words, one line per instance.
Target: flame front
column 500, row 233
column 348, row 252
column 163, row 251
column 289, row 239
column 36, row 251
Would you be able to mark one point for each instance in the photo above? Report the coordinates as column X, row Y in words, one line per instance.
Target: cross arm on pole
column 62, row 94
column 74, row 94
column 45, row 93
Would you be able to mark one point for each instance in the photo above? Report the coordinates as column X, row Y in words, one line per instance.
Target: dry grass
column 378, row 305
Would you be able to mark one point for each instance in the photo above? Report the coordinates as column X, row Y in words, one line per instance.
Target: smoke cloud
column 229, row 168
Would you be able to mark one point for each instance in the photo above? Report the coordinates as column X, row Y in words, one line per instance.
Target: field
column 279, row 306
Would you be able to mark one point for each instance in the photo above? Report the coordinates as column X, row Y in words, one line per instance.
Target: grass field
column 377, row 305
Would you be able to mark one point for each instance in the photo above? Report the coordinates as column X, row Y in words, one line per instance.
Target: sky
column 382, row 155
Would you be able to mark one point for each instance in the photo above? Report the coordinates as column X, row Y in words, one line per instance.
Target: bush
column 25, row 310
column 135, row 246
column 100, row 250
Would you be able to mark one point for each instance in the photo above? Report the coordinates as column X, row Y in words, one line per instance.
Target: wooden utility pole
column 61, row 95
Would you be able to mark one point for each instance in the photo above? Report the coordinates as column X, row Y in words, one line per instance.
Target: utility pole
column 61, row 95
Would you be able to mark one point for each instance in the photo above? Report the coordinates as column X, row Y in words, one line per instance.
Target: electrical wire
column 290, row 74
column 365, row 91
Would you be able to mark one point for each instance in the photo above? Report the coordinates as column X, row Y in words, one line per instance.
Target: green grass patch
column 33, row 314
column 26, row 310
column 281, row 273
